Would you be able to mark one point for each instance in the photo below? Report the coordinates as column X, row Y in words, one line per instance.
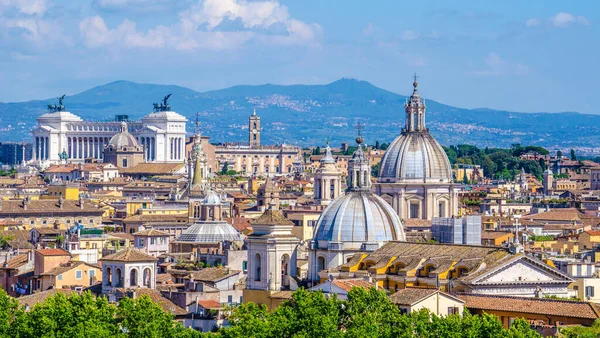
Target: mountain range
column 308, row 114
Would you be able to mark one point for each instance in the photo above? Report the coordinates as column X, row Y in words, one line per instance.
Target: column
column 153, row 145
column 43, row 144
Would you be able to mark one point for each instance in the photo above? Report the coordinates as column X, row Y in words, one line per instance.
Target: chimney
column 80, row 202
column 25, row 203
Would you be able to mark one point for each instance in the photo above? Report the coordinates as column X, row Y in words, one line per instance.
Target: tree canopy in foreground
column 366, row 313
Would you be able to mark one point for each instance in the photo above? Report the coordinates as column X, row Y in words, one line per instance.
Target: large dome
column 210, row 232
column 415, row 156
column 124, row 139
column 358, row 220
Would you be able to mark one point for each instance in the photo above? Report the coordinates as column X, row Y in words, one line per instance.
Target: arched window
column 119, row 276
column 109, row 276
column 257, row 267
column 147, row 278
column 133, row 277
column 320, row 263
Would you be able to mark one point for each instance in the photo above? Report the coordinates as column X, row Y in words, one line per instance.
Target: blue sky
column 516, row 55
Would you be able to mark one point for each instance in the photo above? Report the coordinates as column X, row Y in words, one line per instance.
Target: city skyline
column 525, row 57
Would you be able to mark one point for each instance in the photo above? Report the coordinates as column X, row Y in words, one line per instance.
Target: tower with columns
column 328, row 180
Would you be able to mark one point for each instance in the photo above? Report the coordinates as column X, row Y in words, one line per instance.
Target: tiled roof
column 156, row 218
column 150, row 233
column 416, row 223
column 566, row 214
column 52, row 252
column 164, row 278
column 239, row 223
column 494, row 234
column 213, row 274
column 62, row 268
column 48, row 207
column 282, row 295
column 553, row 307
column 210, row 304
column 15, row 262
column 152, row 168
column 129, row 255
column 272, row 217
column 121, row 235
column 19, row 238
column 593, row 232
column 410, row 296
column 40, row 297
column 166, row 304
column 348, row 284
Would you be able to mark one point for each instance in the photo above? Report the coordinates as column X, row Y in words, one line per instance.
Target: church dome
column 210, row 232
column 415, row 156
column 124, row 139
column 357, row 220
column 212, row 198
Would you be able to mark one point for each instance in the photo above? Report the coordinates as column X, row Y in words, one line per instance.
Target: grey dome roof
column 124, row 139
column 415, row 156
column 212, row 198
column 210, row 232
column 358, row 218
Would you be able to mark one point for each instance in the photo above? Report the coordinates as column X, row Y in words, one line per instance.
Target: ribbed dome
column 210, row 232
column 124, row 139
column 415, row 156
column 357, row 220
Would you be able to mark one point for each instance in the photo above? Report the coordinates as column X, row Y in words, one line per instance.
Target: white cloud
column 496, row 66
column 532, row 22
column 408, row 35
column 565, row 19
column 199, row 27
column 29, row 7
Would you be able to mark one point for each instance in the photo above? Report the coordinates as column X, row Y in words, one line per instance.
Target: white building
column 161, row 133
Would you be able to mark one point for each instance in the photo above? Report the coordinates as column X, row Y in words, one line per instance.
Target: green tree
column 377, row 145
column 582, row 332
column 224, row 169
column 573, row 155
column 559, row 154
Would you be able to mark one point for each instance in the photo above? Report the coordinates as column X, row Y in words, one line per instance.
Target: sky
column 526, row 56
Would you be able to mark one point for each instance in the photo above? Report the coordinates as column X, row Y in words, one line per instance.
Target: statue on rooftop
column 164, row 105
column 57, row 107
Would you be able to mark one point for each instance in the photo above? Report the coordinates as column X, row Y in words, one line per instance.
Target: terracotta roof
column 239, row 223
column 122, row 235
column 416, row 223
column 150, row 233
column 40, row 297
column 19, row 239
column 282, row 295
column 15, row 262
column 593, row 232
column 152, row 168
column 348, row 284
column 156, row 218
column 272, row 217
column 566, row 214
column 164, row 278
column 52, row 252
column 129, row 255
column 212, row 274
column 48, row 231
column 494, row 234
column 553, row 307
column 166, row 304
column 210, row 304
column 48, row 207
column 410, row 296
column 62, row 268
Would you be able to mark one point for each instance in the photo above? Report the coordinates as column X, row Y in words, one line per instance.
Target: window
column 578, row 270
column 92, row 273
column 91, row 221
column 441, row 209
column 414, row 210
column 257, row 267
column 589, row 291
column 230, row 299
column 124, row 163
column 453, row 310
column 244, row 266
column 59, row 277
column 77, row 274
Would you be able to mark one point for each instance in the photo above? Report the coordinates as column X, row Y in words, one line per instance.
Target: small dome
column 210, row 232
column 356, row 219
column 415, row 156
column 212, row 198
column 124, row 139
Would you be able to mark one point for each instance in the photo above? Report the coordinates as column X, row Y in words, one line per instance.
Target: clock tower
column 254, row 130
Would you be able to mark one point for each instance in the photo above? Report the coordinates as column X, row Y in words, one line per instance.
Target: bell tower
column 254, row 130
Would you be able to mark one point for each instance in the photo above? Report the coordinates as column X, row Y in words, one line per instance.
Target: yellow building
column 71, row 274
column 68, row 191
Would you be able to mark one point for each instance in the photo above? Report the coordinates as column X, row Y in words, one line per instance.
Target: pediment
column 522, row 270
